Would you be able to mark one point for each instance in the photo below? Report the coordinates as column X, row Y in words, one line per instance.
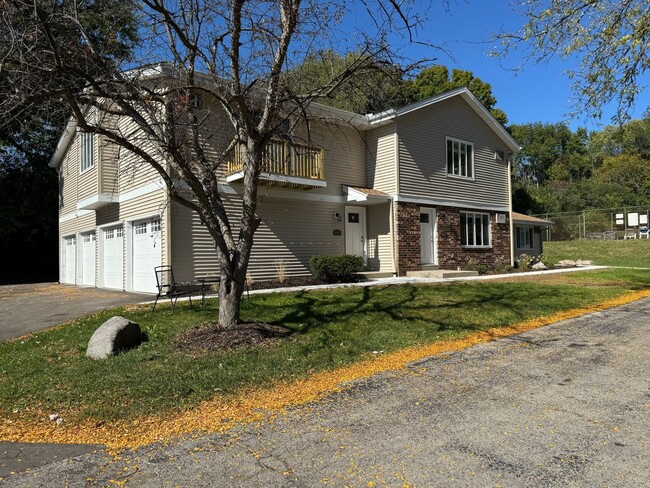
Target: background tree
column 437, row 79
column 235, row 53
column 610, row 41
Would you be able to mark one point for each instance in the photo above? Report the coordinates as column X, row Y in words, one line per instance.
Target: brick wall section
column 451, row 254
column 407, row 228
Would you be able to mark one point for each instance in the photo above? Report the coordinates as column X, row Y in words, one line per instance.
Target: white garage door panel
column 69, row 253
column 88, row 259
column 113, row 258
column 146, row 254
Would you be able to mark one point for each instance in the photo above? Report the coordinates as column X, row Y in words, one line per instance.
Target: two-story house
column 421, row 186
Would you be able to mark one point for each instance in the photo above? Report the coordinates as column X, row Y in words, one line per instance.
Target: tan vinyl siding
column 133, row 171
column 87, row 183
column 381, row 159
column 110, row 155
column 68, row 179
column 423, row 155
column 290, row 233
column 150, row 204
column 379, row 238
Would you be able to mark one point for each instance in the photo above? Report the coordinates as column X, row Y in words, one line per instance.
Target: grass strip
column 222, row 412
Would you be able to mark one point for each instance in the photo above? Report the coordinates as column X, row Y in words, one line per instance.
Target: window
column 155, row 226
column 87, row 151
column 140, row 228
column 196, row 101
column 524, row 237
column 474, row 229
column 460, row 158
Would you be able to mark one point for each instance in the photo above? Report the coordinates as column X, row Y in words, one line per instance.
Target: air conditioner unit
column 501, row 218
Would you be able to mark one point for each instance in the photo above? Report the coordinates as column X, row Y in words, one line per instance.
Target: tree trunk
column 230, row 294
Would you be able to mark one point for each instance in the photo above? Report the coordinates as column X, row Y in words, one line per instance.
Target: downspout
column 393, row 202
column 511, row 224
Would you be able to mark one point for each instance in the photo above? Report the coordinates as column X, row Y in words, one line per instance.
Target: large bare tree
column 236, row 53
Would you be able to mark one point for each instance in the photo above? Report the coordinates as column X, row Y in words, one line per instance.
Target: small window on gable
column 196, row 101
column 460, row 158
column 499, row 155
column 87, row 151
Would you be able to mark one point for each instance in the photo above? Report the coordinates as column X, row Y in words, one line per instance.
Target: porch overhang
column 97, row 201
column 278, row 178
column 367, row 196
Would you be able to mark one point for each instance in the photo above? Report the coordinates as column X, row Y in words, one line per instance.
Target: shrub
column 335, row 268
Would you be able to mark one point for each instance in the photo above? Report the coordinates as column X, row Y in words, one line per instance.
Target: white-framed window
column 155, row 226
column 196, row 100
column 460, row 158
column 87, row 151
column 140, row 228
column 524, row 238
column 119, row 232
column 474, row 229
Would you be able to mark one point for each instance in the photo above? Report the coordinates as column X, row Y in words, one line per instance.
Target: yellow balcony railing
column 282, row 158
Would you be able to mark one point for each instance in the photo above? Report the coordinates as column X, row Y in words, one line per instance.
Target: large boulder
column 115, row 335
column 539, row 266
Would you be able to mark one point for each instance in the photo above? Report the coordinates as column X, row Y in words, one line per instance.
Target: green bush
column 335, row 268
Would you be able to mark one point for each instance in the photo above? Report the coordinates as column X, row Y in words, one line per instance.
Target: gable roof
column 383, row 118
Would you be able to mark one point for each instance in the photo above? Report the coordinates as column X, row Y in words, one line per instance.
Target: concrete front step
column 372, row 275
column 440, row 273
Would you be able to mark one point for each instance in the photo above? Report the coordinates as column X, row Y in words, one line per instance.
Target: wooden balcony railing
column 282, row 158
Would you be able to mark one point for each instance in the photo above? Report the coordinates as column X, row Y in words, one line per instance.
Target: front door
column 355, row 231
column 69, row 259
column 428, row 235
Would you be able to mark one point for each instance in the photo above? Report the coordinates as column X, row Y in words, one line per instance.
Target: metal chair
column 168, row 287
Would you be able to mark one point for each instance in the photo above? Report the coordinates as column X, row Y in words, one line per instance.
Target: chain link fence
column 604, row 223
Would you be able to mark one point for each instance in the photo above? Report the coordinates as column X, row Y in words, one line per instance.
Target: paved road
column 565, row 405
column 32, row 307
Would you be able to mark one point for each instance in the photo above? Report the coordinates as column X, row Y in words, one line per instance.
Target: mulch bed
column 213, row 337
column 292, row 281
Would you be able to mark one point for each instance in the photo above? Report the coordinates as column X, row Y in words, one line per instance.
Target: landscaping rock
column 539, row 265
column 115, row 335
column 584, row 263
column 566, row 263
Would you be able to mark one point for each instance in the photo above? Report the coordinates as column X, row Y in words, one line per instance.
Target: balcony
column 284, row 164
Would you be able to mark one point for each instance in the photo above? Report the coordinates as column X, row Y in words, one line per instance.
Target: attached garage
column 113, row 258
column 146, row 245
column 88, row 259
column 68, row 259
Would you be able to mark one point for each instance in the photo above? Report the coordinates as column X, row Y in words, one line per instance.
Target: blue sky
column 539, row 93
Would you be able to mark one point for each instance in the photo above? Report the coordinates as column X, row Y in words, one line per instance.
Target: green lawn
column 48, row 372
column 631, row 252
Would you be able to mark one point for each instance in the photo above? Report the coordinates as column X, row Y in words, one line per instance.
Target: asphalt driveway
column 563, row 405
column 32, row 307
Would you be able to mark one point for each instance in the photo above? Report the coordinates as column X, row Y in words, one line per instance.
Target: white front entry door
column 355, row 231
column 146, row 254
column 428, row 235
column 69, row 254
column 88, row 259
column 113, row 262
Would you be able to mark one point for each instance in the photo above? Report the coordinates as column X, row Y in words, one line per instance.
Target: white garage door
column 69, row 252
column 113, row 262
column 146, row 254
column 88, row 259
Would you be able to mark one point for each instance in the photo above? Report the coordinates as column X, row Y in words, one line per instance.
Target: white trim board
column 450, row 203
